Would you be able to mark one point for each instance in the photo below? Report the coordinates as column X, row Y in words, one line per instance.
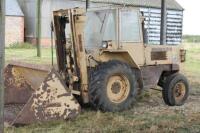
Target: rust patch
column 17, row 89
column 80, row 43
column 63, row 95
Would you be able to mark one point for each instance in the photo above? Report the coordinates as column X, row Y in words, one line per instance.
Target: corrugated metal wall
column 152, row 24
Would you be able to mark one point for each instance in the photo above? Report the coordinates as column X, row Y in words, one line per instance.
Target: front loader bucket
column 52, row 100
column 21, row 79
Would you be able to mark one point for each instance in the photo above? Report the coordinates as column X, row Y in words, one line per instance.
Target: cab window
column 100, row 27
column 129, row 26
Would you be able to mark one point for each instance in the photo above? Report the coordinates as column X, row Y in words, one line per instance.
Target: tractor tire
column 175, row 90
column 113, row 86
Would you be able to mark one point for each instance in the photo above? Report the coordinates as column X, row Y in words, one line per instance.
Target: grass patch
column 21, row 46
column 29, row 55
column 192, row 63
column 91, row 121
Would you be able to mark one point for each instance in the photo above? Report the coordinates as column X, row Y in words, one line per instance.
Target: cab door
column 131, row 38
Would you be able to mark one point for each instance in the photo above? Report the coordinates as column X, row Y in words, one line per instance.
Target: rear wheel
column 175, row 90
column 113, row 86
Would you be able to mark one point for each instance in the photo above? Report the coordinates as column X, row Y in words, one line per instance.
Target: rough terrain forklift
column 102, row 60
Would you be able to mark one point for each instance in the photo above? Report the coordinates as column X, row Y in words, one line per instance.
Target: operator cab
column 110, row 28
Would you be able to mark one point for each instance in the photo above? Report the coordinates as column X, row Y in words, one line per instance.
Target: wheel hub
column 118, row 88
column 179, row 91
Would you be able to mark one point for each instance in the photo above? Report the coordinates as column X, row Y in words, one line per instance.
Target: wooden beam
column 163, row 28
column 38, row 27
column 87, row 4
column 2, row 55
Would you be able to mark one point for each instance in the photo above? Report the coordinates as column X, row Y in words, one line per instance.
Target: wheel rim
column 179, row 91
column 118, row 88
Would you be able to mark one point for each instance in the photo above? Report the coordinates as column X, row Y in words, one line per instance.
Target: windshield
column 100, row 26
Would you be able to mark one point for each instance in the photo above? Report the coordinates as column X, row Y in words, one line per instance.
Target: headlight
column 105, row 45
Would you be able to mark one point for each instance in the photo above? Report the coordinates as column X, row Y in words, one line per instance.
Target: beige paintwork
column 137, row 54
column 118, row 88
column 54, row 98
column 140, row 55
column 172, row 53
column 78, row 33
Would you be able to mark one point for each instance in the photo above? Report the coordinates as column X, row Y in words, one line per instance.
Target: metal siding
column 152, row 24
column 171, row 4
column 174, row 20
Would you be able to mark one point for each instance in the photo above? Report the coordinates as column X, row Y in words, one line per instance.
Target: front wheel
column 175, row 90
column 113, row 86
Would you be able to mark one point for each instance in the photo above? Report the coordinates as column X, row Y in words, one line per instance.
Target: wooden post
column 163, row 28
column 38, row 27
column 2, row 55
column 87, row 4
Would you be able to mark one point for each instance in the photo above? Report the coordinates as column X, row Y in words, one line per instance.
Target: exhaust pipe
column 163, row 25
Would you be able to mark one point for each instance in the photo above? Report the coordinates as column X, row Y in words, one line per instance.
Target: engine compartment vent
column 159, row 55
